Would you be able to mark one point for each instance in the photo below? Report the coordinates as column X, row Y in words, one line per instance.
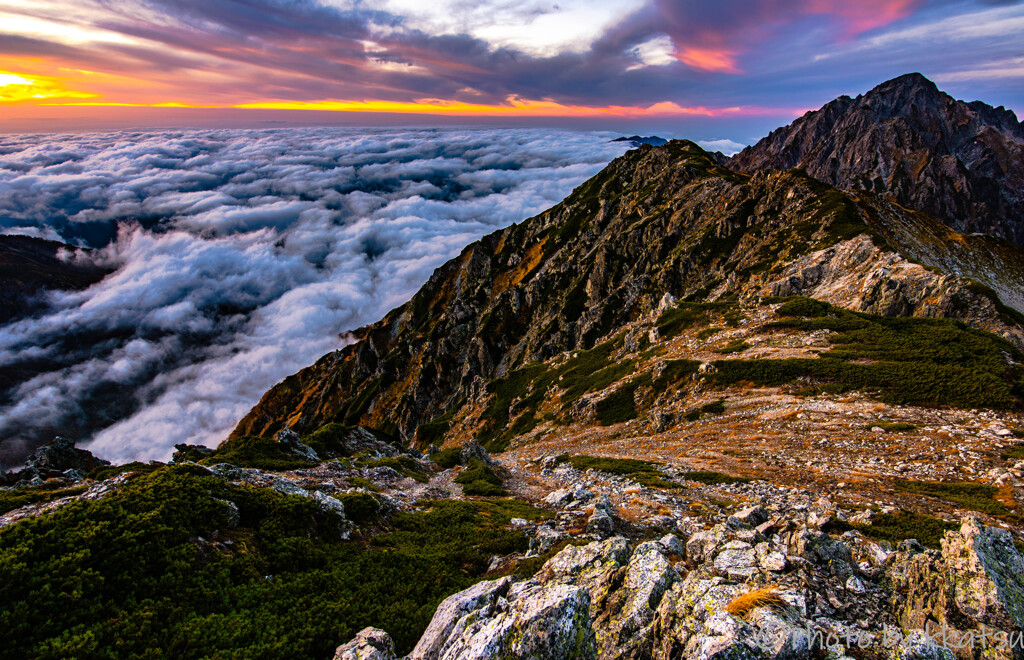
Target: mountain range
column 766, row 407
column 670, row 223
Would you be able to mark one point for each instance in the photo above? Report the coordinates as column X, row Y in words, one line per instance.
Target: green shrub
column 433, row 432
column 404, row 465
column 677, row 319
column 896, row 527
column 713, row 478
column 15, row 498
column 102, row 472
column 1015, row 453
column 480, row 479
column 360, row 482
column 328, row 440
column 893, row 426
column 255, row 452
column 900, row 382
column 360, row 508
column 643, row 472
column 676, row 371
column 714, row 408
column 707, row 333
column 686, row 315
column 153, row 570
column 617, row 407
column 803, row 306
column 447, row 458
column 979, row 497
column 620, row 405
column 735, row 346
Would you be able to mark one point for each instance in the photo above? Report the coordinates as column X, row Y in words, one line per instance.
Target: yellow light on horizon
column 27, row 87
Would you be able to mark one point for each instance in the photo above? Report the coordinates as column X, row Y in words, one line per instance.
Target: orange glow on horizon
column 514, row 107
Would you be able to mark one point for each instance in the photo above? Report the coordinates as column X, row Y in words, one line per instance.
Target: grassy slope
column 154, row 570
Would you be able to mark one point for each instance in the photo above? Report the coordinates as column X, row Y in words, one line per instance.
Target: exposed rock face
column 290, row 440
column 975, row 582
column 369, row 644
column 604, row 600
column 360, row 440
column 960, row 162
column 500, row 619
column 858, row 275
column 659, row 223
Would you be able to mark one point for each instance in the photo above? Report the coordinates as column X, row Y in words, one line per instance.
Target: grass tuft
column 765, row 597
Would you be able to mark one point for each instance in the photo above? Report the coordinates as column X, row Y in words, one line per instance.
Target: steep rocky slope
column 960, row 162
column 659, row 224
column 30, row 266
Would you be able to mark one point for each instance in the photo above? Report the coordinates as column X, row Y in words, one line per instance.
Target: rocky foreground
column 765, row 581
column 780, row 588
column 655, row 563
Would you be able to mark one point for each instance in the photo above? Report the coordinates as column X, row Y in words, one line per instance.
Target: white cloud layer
column 727, row 147
column 241, row 257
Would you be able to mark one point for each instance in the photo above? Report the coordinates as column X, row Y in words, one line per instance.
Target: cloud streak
column 241, row 257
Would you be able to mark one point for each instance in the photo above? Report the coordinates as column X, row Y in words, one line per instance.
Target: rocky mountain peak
column 913, row 144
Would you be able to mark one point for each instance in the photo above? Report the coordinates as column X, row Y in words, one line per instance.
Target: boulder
column 751, row 516
column 368, row 644
column 473, row 449
column 499, row 619
column 289, row 439
column 702, row 545
column 985, row 575
column 625, row 616
column 736, row 561
column 601, row 523
column 361, row 441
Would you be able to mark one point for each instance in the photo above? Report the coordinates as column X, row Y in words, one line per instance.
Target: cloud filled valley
column 240, row 257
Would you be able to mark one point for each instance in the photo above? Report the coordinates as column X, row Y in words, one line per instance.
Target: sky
column 729, row 69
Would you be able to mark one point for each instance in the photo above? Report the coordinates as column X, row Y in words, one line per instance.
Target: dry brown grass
column 764, row 597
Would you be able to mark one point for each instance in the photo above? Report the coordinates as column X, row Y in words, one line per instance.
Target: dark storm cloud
column 241, row 256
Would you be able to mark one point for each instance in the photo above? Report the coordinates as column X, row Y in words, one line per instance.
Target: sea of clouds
column 241, row 256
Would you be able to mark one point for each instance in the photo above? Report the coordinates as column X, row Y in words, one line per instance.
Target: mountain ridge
column 962, row 163
column 657, row 221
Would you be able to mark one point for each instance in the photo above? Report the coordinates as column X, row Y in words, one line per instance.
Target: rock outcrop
column 960, row 162
column 610, row 600
column 59, row 459
column 369, row 644
column 971, row 594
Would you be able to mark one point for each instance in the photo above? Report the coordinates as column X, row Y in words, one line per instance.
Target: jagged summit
column 905, row 139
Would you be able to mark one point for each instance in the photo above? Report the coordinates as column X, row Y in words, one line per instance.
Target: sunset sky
column 728, row 68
